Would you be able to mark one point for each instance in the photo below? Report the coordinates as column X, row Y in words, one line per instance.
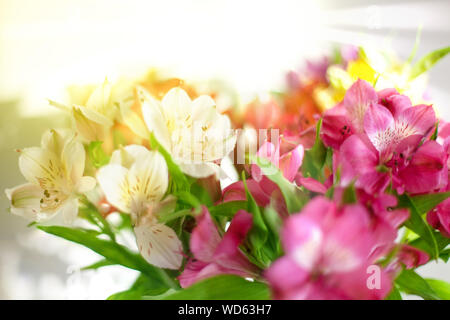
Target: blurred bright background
column 48, row 44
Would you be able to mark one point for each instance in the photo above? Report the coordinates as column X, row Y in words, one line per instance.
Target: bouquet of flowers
column 335, row 188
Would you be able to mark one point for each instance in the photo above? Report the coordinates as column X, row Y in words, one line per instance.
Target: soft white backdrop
column 47, row 44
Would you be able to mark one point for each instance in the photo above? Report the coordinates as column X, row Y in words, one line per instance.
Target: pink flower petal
column 357, row 100
column 417, row 120
column 424, row 172
column 291, row 162
column 412, row 257
column 205, row 238
column 286, row 279
column 379, row 127
column 358, row 158
column 336, row 127
column 311, row 184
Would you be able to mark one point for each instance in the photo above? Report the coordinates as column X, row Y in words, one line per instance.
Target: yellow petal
column 99, row 99
column 88, row 129
column 133, row 121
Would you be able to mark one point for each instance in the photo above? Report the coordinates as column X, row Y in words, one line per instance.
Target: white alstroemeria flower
column 94, row 108
column 54, row 172
column 193, row 132
column 135, row 182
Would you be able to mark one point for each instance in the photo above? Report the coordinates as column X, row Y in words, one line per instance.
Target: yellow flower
column 95, row 108
column 54, row 172
column 381, row 69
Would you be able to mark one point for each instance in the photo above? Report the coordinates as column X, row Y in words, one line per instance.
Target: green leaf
column 91, row 213
column 258, row 234
column 349, row 195
column 226, row 287
column 187, row 198
column 201, row 194
column 175, row 215
column 314, row 158
column 442, row 243
column 112, row 251
column 228, row 209
column 273, row 220
column 143, row 286
column 98, row 264
column 394, row 295
column 416, row 45
column 417, row 224
column 426, row 62
column 95, row 152
column 179, row 179
column 410, row 282
column 435, row 133
column 442, row 288
column 445, row 255
column 293, row 196
column 427, row 202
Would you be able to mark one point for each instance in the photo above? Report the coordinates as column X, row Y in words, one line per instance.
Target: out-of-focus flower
column 213, row 254
column 194, row 133
column 383, row 69
column 135, row 182
column 327, row 255
column 412, row 257
column 95, row 108
column 54, row 172
column 265, row 191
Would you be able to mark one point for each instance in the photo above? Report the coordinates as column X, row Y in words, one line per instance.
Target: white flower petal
column 113, row 181
column 151, row 176
column 155, row 122
column 159, row 245
column 25, row 200
column 86, row 184
column 126, row 156
column 37, row 165
column 203, row 110
column 73, row 158
column 176, row 104
column 55, row 139
column 199, row 170
column 64, row 216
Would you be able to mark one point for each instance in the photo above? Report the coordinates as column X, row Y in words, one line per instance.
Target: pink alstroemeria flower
column 347, row 118
column 327, row 255
column 384, row 221
column 213, row 254
column 379, row 140
column 412, row 257
column 439, row 217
